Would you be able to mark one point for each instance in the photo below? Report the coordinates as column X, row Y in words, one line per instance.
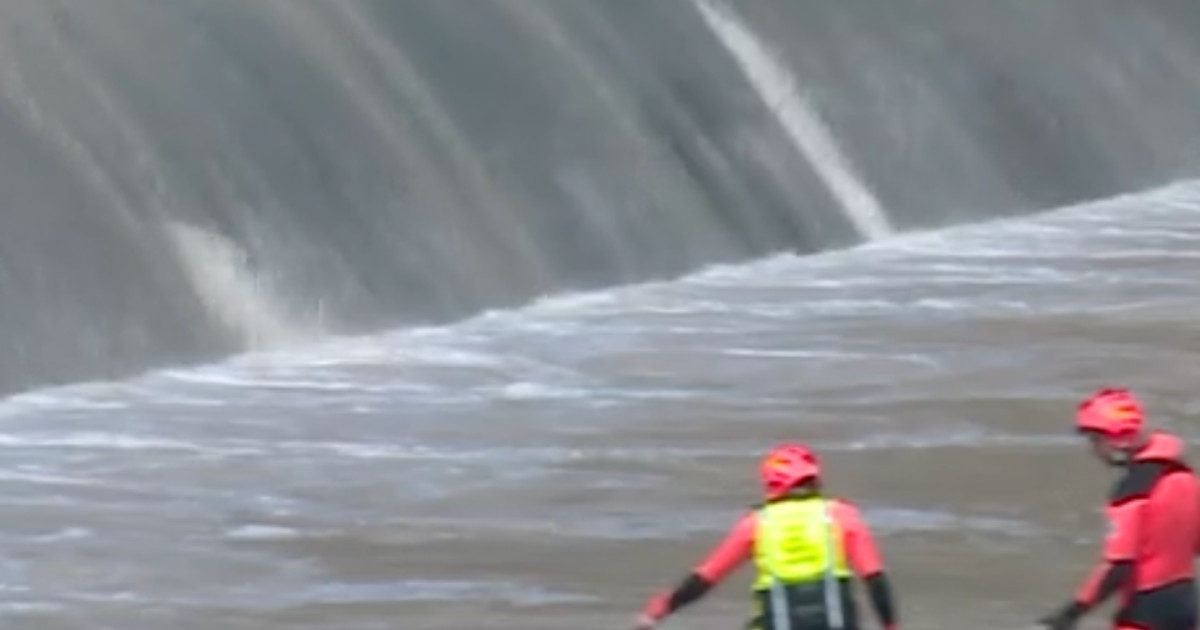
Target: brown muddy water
column 549, row 467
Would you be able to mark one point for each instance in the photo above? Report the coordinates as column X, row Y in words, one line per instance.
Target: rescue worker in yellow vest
column 806, row 548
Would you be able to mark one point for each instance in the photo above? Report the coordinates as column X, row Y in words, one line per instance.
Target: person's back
column 806, row 548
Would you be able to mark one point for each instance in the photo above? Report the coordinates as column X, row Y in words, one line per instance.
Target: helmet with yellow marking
column 787, row 466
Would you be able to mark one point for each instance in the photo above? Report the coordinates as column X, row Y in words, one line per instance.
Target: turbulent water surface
column 547, row 467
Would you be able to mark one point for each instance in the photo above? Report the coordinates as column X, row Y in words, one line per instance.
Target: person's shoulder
column 749, row 517
column 843, row 502
column 844, row 508
column 1138, row 481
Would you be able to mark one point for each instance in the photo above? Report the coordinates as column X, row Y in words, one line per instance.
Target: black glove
column 1064, row 618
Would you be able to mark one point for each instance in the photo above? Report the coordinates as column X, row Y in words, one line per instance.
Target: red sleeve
column 857, row 540
column 1089, row 592
column 1120, row 545
column 735, row 549
column 1124, row 527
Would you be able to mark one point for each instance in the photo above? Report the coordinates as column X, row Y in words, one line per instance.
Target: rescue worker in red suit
column 1154, row 522
column 804, row 547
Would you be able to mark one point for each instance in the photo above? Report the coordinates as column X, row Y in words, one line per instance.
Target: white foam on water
column 95, row 440
column 540, row 391
column 899, row 519
column 262, row 532
column 65, row 534
column 430, row 590
column 31, row 607
column 949, row 438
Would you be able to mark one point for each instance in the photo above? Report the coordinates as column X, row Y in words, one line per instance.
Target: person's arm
column 864, row 558
column 735, row 549
column 1115, row 569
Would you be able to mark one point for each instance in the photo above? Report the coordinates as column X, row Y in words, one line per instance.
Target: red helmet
column 787, row 466
column 1112, row 413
